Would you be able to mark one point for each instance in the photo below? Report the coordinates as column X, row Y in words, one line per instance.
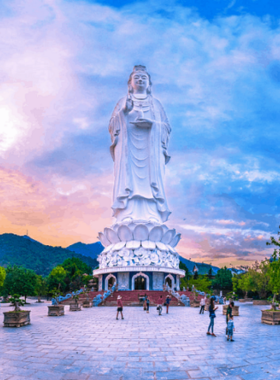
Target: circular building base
column 139, row 277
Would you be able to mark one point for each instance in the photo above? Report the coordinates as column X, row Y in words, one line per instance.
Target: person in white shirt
column 202, row 305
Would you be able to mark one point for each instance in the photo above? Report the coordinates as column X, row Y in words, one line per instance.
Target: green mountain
column 201, row 268
column 90, row 250
column 26, row 252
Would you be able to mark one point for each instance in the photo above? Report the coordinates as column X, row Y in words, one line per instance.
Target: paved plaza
column 92, row 344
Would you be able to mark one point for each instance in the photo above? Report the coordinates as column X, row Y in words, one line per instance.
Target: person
column 159, row 306
column 202, row 305
column 225, row 300
column 230, row 329
column 148, row 303
column 212, row 316
column 229, row 311
column 145, row 302
column 229, row 314
column 167, row 302
column 120, row 307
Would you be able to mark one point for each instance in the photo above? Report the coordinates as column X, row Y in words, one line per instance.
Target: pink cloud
column 51, row 215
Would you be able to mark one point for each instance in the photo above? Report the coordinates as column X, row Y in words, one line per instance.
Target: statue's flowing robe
column 140, row 156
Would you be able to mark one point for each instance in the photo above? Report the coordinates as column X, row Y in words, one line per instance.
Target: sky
column 215, row 67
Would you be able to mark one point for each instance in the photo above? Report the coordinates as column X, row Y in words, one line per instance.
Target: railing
column 99, row 298
column 56, row 300
column 182, row 298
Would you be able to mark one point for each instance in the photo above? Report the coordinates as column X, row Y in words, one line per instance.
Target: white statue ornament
column 140, row 132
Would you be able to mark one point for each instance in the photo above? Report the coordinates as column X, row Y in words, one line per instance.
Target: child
column 159, row 306
column 230, row 328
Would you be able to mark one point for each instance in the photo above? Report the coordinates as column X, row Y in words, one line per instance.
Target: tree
column 201, row 283
column 184, row 281
column 56, row 279
column 274, row 274
column 274, row 267
column 259, row 273
column 246, row 283
column 87, row 279
column 40, row 287
column 235, row 280
column 76, row 267
column 75, row 270
column 223, row 279
column 20, row 281
column 2, row 276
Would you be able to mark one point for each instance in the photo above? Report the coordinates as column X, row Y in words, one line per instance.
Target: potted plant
column 195, row 302
column 87, row 302
column 235, row 309
column 55, row 309
column 271, row 316
column 17, row 317
column 76, row 306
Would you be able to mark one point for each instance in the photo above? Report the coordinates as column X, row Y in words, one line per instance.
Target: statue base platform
column 139, row 255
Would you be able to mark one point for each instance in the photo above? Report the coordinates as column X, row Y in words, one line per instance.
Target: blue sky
column 209, row 10
column 215, row 67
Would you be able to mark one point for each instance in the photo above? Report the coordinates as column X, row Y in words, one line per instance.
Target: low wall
column 246, row 300
column 261, row 302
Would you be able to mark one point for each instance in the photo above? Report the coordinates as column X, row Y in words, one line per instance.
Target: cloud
column 57, row 212
column 232, row 222
column 63, row 67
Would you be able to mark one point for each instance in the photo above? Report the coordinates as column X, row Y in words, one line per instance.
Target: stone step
column 131, row 297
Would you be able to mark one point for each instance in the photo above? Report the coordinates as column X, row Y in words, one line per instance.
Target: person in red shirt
column 159, row 306
column 120, row 307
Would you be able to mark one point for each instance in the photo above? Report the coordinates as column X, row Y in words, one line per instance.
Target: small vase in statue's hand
column 142, row 123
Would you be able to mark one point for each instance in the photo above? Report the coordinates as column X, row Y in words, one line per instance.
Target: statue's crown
column 139, row 68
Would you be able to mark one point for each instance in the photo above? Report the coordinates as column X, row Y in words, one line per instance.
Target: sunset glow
column 65, row 64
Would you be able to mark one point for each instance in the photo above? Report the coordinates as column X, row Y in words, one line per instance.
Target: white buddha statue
column 140, row 133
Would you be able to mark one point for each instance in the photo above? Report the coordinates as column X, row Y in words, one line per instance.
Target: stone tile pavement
column 92, row 344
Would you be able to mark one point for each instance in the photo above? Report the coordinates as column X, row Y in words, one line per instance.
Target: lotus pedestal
column 139, row 255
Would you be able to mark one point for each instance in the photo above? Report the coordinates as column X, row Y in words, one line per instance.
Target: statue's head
column 139, row 80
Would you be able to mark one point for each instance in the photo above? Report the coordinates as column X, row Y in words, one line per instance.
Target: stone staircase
column 131, row 297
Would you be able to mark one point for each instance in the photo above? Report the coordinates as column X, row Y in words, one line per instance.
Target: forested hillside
column 91, row 250
column 31, row 254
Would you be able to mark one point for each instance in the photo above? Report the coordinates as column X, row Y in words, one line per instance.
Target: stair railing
column 99, row 298
column 58, row 299
column 182, row 298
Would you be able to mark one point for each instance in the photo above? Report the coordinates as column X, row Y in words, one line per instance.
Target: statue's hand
column 128, row 105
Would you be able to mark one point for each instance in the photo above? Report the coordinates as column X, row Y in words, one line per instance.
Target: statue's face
column 140, row 82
